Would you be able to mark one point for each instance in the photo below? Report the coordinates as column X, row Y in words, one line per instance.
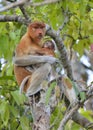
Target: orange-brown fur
column 30, row 43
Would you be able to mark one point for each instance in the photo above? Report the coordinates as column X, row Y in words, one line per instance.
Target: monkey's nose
column 40, row 35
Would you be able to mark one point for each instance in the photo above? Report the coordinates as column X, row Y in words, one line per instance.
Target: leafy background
column 77, row 33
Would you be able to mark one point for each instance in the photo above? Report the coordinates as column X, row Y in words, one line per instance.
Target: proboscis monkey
column 31, row 52
column 30, row 47
column 49, row 44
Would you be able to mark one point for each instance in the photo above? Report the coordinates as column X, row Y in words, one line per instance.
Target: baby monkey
column 49, row 44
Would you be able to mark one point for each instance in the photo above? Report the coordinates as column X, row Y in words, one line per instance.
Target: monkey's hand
column 51, row 59
column 33, row 59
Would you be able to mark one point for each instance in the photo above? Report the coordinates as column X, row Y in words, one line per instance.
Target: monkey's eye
column 35, row 27
column 42, row 27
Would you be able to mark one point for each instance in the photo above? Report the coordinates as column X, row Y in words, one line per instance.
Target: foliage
column 77, row 33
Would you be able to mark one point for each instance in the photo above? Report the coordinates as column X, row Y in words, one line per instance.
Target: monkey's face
column 49, row 44
column 37, row 31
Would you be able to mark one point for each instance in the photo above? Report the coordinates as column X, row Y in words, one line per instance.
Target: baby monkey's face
column 49, row 44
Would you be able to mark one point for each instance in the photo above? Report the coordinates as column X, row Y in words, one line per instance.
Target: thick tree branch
column 14, row 18
column 12, row 5
column 45, row 2
column 27, row 2
column 62, row 50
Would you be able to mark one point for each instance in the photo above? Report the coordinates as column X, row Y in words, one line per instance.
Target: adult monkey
column 30, row 52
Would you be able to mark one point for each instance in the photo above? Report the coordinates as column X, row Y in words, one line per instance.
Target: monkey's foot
column 32, row 91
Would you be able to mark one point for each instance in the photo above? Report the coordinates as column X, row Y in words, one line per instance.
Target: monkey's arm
column 33, row 59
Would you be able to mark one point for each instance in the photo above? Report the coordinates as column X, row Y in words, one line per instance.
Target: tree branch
column 27, row 2
column 14, row 4
column 24, row 12
column 14, row 18
column 67, row 117
column 62, row 50
column 45, row 2
column 73, row 114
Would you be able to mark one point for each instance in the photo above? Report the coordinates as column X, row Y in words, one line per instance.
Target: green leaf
column 19, row 98
column 49, row 91
column 12, row 35
column 14, row 111
column 81, row 45
column 75, row 88
column 14, row 124
column 91, row 38
column 24, row 123
column 82, row 96
column 7, row 77
column 82, row 8
column 87, row 114
column 4, row 45
column 4, row 112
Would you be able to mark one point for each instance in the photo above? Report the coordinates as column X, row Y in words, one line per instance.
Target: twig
column 66, row 20
column 67, row 117
column 24, row 12
column 64, row 23
column 90, row 92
